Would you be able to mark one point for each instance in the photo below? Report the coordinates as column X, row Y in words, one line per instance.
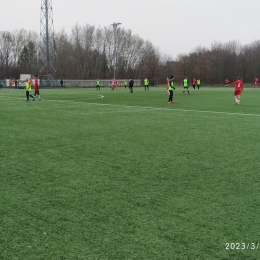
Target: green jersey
column 185, row 83
column 28, row 86
column 171, row 87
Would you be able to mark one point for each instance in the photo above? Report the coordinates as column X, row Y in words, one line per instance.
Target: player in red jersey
column 226, row 82
column 256, row 81
column 36, row 87
column 238, row 89
column 116, row 83
column 194, row 81
column 112, row 84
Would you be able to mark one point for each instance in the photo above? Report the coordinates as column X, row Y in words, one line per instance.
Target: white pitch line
column 97, row 97
column 161, row 108
column 152, row 108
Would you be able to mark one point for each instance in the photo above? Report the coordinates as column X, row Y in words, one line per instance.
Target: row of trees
column 87, row 53
column 222, row 61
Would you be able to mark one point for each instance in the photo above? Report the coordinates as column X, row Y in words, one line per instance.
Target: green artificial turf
column 87, row 174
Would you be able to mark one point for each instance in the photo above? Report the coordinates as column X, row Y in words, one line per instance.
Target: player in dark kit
column 170, row 89
column 131, row 85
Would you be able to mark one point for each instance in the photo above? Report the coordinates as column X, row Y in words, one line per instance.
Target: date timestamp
column 241, row 246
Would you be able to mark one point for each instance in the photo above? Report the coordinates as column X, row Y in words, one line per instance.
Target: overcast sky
column 174, row 26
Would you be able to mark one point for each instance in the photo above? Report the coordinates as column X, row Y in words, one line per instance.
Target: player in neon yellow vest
column 198, row 83
column 98, row 84
column 146, row 84
column 185, row 86
column 28, row 90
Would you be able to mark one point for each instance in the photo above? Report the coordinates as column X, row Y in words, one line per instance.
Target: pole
column 115, row 40
column 115, row 46
column 47, row 44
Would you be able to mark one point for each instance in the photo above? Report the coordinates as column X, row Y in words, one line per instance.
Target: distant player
column 146, row 84
column 238, row 89
column 198, row 83
column 112, row 84
column 125, row 83
column 131, row 85
column 226, row 82
column 167, row 86
column 36, row 87
column 256, row 82
column 28, row 89
column 116, row 84
column 171, row 88
column 98, row 84
column 185, row 86
column 194, row 81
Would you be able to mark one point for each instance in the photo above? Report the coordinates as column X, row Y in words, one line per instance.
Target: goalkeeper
column 170, row 89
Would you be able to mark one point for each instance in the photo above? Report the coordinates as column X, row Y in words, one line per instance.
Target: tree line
column 87, row 53
column 221, row 61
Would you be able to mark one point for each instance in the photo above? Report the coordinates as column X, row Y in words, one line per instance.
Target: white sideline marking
column 98, row 96
column 151, row 108
column 161, row 108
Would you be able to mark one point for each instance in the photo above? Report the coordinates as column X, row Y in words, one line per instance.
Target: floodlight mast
column 47, row 35
column 115, row 46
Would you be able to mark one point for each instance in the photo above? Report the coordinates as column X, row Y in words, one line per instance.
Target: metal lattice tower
column 47, row 40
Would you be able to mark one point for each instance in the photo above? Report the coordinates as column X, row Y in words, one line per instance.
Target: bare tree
column 7, row 59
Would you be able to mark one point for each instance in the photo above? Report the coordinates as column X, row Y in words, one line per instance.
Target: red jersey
column 194, row 81
column 238, row 85
column 36, row 86
column 112, row 83
column 256, row 81
column 227, row 81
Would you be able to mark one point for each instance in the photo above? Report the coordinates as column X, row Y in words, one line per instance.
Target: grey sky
column 174, row 26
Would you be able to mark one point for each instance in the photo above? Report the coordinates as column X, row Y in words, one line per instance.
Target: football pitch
column 87, row 175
